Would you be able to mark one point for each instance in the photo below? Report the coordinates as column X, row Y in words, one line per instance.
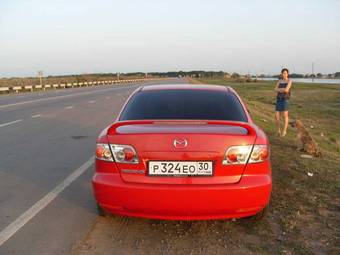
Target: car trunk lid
column 205, row 141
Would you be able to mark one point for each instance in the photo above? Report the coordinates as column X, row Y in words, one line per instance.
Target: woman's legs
column 277, row 121
column 286, row 120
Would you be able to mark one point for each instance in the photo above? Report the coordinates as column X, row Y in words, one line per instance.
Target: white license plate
column 179, row 168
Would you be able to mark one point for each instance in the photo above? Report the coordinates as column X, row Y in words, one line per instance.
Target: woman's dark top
column 282, row 98
column 283, row 95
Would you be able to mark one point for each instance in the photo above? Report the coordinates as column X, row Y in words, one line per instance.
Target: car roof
column 187, row 86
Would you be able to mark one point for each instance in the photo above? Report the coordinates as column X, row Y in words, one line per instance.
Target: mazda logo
column 180, row 143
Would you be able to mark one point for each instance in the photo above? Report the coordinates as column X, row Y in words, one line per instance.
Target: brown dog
column 305, row 141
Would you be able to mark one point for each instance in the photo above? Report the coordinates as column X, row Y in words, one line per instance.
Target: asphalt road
column 44, row 138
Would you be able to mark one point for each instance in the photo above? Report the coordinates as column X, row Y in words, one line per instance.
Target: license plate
column 180, row 168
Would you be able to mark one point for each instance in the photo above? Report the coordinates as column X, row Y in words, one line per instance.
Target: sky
column 256, row 36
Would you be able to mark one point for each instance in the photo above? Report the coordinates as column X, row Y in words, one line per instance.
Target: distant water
column 331, row 81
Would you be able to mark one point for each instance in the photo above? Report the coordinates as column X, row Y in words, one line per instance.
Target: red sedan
column 183, row 152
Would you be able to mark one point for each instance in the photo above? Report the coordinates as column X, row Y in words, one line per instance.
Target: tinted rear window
column 184, row 104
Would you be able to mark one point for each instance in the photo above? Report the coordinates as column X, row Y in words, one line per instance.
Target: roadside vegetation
column 304, row 212
column 26, row 81
column 304, row 215
column 196, row 74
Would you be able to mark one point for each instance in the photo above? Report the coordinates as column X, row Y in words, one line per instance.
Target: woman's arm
column 277, row 89
column 288, row 87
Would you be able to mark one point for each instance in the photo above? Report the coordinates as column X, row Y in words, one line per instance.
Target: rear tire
column 260, row 215
column 101, row 211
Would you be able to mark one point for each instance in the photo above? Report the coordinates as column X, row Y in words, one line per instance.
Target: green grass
column 317, row 105
column 304, row 212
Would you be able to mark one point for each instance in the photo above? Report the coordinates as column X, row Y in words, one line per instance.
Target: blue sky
column 66, row 37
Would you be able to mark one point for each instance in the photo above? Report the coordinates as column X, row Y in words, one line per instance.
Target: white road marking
column 92, row 101
column 10, row 123
column 36, row 115
column 16, row 225
column 107, row 97
column 58, row 97
column 69, row 107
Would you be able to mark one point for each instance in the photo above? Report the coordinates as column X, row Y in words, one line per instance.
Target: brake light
column 259, row 153
column 237, row 155
column 241, row 154
column 103, row 152
column 124, row 153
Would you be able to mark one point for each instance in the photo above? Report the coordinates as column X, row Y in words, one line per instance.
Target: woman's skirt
column 282, row 105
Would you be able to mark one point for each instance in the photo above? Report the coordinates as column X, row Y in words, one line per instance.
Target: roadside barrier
column 47, row 86
column 31, row 88
column 16, row 89
column 4, row 89
column 28, row 87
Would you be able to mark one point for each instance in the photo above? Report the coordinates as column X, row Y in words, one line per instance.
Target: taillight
column 124, row 153
column 259, row 154
column 237, row 155
column 103, row 152
column 240, row 154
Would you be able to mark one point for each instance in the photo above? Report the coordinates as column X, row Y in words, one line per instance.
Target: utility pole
column 40, row 75
column 312, row 71
column 118, row 76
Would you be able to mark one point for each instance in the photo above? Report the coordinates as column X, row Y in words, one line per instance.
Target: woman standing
column 282, row 101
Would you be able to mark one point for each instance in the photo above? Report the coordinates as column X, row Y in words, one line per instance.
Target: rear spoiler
column 251, row 128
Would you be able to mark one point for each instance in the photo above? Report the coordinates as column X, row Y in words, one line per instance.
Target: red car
column 183, row 152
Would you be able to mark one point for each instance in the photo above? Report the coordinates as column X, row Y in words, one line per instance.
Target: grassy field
column 305, row 211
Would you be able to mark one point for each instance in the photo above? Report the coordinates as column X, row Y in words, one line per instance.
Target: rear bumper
column 182, row 202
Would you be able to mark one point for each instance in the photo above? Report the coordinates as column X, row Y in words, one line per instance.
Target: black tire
column 101, row 211
column 260, row 215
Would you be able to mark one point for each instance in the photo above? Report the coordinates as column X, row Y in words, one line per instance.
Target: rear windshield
column 184, row 104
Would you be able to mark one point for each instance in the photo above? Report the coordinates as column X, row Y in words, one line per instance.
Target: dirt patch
column 123, row 235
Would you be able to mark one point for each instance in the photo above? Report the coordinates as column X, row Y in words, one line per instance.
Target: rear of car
column 183, row 152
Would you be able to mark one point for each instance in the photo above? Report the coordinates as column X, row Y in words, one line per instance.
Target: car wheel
column 260, row 215
column 101, row 211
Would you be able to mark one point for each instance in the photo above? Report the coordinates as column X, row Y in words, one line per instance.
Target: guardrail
column 4, row 89
column 31, row 88
column 17, row 88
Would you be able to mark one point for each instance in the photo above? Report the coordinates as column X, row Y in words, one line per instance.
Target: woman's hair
column 285, row 69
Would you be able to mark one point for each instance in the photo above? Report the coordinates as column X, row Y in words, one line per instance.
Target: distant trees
column 309, row 76
column 235, row 76
column 296, row 75
column 227, row 75
column 193, row 74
